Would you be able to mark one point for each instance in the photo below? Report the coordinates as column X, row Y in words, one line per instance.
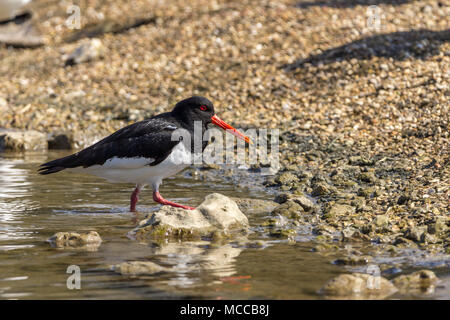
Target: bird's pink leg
column 134, row 199
column 158, row 198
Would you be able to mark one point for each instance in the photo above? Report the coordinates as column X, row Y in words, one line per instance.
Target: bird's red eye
column 203, row 108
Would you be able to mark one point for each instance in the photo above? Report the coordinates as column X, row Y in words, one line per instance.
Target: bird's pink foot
column 158, row 198
column 134, row 199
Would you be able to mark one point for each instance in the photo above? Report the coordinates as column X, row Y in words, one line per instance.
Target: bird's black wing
column 149, row 138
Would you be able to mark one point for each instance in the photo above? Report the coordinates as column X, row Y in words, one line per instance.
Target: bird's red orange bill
column 225, row 126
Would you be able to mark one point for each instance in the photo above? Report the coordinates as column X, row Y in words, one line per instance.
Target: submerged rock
column 132, row 268
column 28, row 140
column 216, row 216
column 90, row 240
column 358, row 285
column 422, row 281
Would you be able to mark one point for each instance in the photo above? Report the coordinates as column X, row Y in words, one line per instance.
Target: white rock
column 87, row 51
column 217, row 214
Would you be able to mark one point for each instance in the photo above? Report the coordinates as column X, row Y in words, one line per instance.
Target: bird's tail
column 58, row 165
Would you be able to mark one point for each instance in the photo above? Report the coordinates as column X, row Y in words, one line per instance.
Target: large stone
column 358, row 285
column 216, row 216
column 89, row 241
column 22, row 140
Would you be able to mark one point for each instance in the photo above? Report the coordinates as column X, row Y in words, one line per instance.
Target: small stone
column 87, row 51
column 361, row 161
column 367, row 177
column 305, row 202
column 416, row 233
column 289, row 209
column 286, row 178
column 381, row 221
column 439, row 226
column 282, row 198
column 403, row 199
column 340, row 210
column 369, row 192
column 403, row 242
column 320, row 189
column 324, row 230
column 429, row 238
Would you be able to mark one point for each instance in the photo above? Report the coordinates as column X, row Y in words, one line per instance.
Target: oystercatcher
column 144, row 153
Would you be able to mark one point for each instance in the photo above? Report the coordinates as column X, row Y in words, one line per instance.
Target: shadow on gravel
column 398, row 45
column 348, row 3
column 109, row 26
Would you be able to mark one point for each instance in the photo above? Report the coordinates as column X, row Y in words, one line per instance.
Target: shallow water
column 33, row 208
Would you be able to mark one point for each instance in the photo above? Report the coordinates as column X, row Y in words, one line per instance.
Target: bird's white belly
column 139, row 170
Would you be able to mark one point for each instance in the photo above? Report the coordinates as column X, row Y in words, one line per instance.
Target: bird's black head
column 201, row 109
column 194, row 109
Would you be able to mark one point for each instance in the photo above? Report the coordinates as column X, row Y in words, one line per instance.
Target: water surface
column 34, row 207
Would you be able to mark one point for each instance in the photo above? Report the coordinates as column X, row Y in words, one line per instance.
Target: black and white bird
column 144, row 153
